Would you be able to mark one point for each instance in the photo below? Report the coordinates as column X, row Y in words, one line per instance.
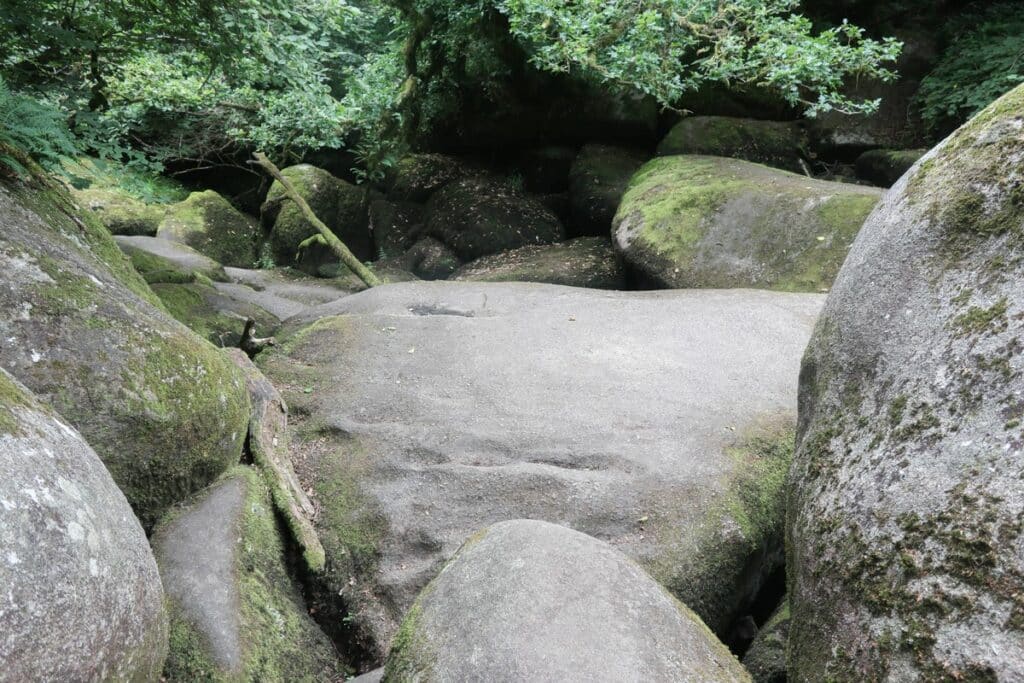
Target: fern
column 30, row 130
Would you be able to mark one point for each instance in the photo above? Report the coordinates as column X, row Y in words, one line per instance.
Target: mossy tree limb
column 336, row 245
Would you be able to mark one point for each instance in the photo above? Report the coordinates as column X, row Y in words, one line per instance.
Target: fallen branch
column 336, row 245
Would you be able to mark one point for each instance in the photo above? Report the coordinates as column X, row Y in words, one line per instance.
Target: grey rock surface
column 162, row 260
column 236, row 614
column 661, row 422
column 164, row 410
column 281, row 294
column 81, row 597
column 527, row 600
column 907, row 492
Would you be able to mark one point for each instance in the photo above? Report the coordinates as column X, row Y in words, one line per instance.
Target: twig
column 336, row 245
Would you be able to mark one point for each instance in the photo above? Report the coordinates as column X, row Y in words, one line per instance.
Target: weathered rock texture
column 164, row 409
column 907, row 500
column 160, row 260
column 661, row 422
column 781, row 144
column 81, row 597
column 531, row 601
column 236, row 615
column 476, row 217
column 766, row 658
column 582, row 262
column 209, row 224
column 119, row 212
column 340, row 205
column 692, row 221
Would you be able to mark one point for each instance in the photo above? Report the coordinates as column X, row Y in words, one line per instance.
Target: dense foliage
column 985, row 58
column 206, row 82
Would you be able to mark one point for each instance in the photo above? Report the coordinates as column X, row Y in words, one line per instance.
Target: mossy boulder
column 417, row 176
column 766, row 658
column 598, row 178
column 582, row 262
column 531, row 601
column 780, row 144
column 236, row 613
column 395, row 226
column 906, row 503
column 340, row 205
column 219, row 317
column 159, row 260
column 433, row 408
column 884, row 167
column 693, row 221
column 209, row 224
column 477, row 216
column 429, row 259
column 81, row 597
column 119, row 212
column 165, row 411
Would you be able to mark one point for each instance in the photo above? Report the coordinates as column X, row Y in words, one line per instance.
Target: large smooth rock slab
column 165, row 411
column 907, row 494
column 660, row 422
column 693, row 221
column 532, row 601
column 81, row 598
column 236, row 614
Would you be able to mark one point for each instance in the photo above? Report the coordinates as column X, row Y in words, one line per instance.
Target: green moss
column 772, row 229
column 11, row 397
column 188, row 656
column 411, row 655
column 189, row 418
column 279, row 640
column 978, row 320
column 707, row 573
column 119, row 212
column 210, row 225
column 188, row 304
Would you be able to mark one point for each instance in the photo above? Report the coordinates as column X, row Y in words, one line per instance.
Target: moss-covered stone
column 692, row 221
column 417, row 176
column 582, row 262
column 884, row 167
column 163, row 409
column 121, row 213
column 766, row 658
column 275, row 639
column 754, row 508
column 476, row 217
column 781, row 144
column 209, row 224
column 341, row 206
column 598, row 178
column 213, row 317
column 163, row 261
column 905, row 510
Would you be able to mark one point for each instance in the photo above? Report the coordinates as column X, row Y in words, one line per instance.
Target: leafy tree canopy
column 205, row 80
